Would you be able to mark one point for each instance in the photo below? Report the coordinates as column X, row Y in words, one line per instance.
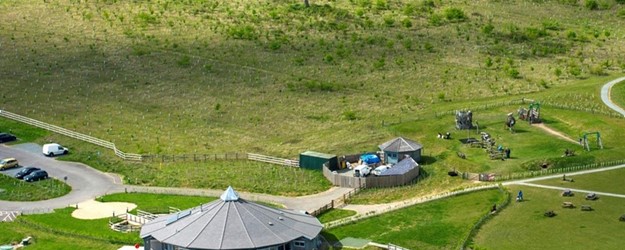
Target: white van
column 362, row 171
column 53, row 149
column 377, row 171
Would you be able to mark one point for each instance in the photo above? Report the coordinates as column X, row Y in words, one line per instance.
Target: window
column 299, row 243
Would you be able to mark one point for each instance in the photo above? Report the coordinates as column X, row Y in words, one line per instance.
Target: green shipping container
column 315, row 160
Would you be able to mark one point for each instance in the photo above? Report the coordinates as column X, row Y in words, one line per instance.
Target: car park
column 25, row 171
column 52, row 149
column 37, row 175
column 7, row 163
column 6, row 137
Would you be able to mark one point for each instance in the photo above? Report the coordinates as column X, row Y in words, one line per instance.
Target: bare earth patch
column 553, row 132
column 89, row 210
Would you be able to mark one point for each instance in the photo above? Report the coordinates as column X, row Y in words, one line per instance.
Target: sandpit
column 92, row 209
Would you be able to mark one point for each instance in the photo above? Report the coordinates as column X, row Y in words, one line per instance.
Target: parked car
column 25, row 171
column 5, row 137
column 362, row 171
column 377, row 171
column 7, row 163
column 53, row 149
column 37, row 175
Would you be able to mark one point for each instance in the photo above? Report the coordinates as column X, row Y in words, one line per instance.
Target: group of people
column 445, row 136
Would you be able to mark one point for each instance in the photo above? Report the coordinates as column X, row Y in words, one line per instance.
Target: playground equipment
column 464, row 119
column 510, row 121
column 584, row 140
column 531, row 114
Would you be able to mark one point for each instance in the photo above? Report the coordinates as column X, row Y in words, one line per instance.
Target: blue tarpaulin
column 370, row 158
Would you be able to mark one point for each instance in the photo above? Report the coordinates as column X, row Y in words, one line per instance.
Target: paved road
column 605, row 95
column 86, row 182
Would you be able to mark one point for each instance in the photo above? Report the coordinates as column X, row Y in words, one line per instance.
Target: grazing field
column 608, row 181
column 523, row 225
column 276, row 77
column 335, row 214
column 439, row 224
column 19, row 190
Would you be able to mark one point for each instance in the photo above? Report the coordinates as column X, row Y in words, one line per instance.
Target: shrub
column 389, row 21
column 184, row 61
column 591, row 4
column 350, row 115
column 245, row 32
column 406, row 22
column 428, row 47
column 551, row 25
column 435, row 20
column 488, row 28
column 597, row 70
column 455, row 14
column 513, row 72
column 620, row 1
column 381, row 4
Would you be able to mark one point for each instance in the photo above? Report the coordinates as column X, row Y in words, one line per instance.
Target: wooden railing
column 72, row 134
column 274, row 160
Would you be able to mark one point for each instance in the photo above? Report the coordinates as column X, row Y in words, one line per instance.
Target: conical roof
column 231, row 223
column 400, row 144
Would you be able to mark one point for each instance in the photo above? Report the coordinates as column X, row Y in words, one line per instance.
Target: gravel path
column 605, row 95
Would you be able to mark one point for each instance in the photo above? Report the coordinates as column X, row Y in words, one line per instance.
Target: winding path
column 605, row 95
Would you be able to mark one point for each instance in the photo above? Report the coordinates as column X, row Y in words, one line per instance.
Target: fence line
column 406, row 203
column 476, row 227
column 336, row 203
column 274, row 160
column 194, row 157
column 530, row 174
column 72, row 134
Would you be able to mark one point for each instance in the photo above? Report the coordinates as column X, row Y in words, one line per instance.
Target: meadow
column 607, row 181
column 439, row 224
column 278, row 78
column 19, row 190
column 522, row 225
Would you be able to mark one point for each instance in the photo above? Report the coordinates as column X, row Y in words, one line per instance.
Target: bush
column 389, row 21
column 406, row 22
column 435, row 20
column 245, row 32
column 455, row 14
column 488, row 28
column 558, row 162
column 591, row 4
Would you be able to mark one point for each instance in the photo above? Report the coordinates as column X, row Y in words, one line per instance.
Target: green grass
column 335, row 214
column 46, row 238
column 19, row 190
column 23, row 132
column 617, row 94
column 278, row 78
column 157, row 202
column 439, row 224
column 523, row 226
column 61, row 222
column 600, row 182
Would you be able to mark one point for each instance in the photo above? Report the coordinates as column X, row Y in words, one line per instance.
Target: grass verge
column 600, row 181
column 438, row 224
column 19, row 190
column 335, row 214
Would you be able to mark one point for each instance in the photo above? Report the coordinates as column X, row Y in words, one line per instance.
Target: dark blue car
column 37, row 175
column 25, row 171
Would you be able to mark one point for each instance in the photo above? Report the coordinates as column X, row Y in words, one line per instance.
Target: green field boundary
column 489, row 215
column 407, row 203
column 523, row 175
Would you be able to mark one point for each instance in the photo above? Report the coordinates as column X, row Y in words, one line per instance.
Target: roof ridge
column 244, row 226
column 223, row 231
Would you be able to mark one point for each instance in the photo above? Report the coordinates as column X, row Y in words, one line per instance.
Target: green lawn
column 523, row 226
column 335, row 214
column 608, row 181
column 618, row 94
column 439, row 224
column 157, row 202
column 19, row 190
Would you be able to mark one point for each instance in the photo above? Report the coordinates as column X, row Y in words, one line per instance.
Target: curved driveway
column 605, row 95
column 86, row 182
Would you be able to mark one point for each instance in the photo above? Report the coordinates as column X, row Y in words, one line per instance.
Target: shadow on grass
column 331, row 239
column 426, row 160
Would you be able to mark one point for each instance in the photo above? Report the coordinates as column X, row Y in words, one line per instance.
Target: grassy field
column 335, row 214
column 438, row 224
column 19, row 190
column 617, row 94
column 523, row 226
column 156, row 203
column 607, row 181
column 278, row 78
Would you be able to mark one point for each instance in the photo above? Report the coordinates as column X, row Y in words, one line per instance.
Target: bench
column 586, row 208
column 568, row 204
column 26, row 241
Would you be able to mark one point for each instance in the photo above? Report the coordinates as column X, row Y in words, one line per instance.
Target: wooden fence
column 72, row 134
column 194, row 157
column 371, row 181
column 530, row 174
column 336, row 203
column 274, row 160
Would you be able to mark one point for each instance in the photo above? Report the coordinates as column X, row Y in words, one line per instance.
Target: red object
column 137, row 246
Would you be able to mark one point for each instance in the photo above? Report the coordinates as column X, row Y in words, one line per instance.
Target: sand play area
column 89, row 210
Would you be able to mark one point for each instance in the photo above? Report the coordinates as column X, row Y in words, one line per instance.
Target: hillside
column 276, row 77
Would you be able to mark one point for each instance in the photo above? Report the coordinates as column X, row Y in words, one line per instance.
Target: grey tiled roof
column 231, row 223
column 400, row 144
column 401, row 167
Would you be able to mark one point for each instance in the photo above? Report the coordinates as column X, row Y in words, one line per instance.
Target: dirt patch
column 92, row 209
column 553, row 132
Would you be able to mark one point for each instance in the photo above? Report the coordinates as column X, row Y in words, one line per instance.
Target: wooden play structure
column 585, row 143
